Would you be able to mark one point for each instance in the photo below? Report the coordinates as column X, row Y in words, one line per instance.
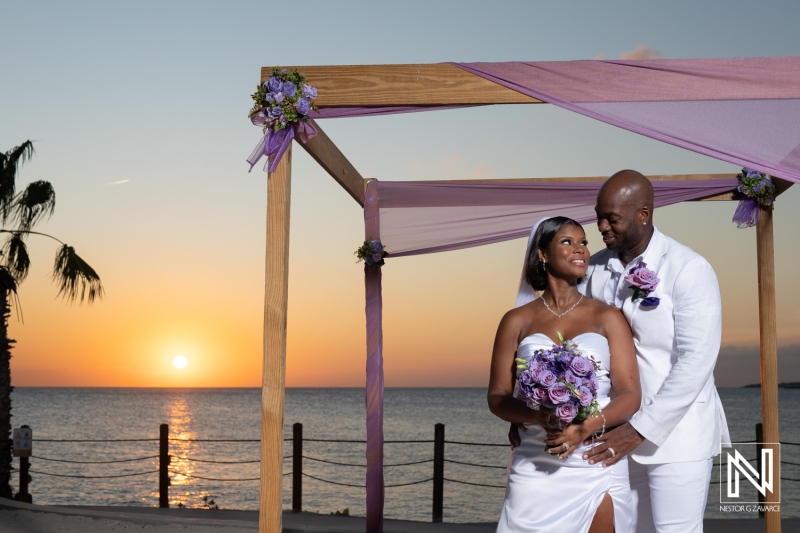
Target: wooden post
column 274, row 370
column 765, row 251
column 163, row 466
column 24, row 476
column 297, row 467
column 438, row 472
column 759, row 440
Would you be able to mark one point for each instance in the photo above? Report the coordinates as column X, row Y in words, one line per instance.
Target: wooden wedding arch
column 432, row 85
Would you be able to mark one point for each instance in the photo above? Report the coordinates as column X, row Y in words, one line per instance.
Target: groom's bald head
column 625, row 213
column 629, row 188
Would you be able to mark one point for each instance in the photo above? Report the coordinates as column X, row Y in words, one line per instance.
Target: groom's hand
column 615, row 444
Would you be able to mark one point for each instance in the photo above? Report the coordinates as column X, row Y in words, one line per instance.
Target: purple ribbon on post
column 747, row 213
column 274, row 144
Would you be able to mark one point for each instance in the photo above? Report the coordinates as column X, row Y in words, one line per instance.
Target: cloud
column 642, row 52
column 120, row 182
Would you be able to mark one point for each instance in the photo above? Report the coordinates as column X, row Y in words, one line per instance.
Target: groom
column 676, row 326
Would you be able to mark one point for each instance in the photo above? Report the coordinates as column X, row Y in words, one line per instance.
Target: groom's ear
column 646, row 214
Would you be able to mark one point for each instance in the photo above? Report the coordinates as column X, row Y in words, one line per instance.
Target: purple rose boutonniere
column 643, row 281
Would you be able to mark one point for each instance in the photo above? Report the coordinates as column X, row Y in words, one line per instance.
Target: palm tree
column 76, row 280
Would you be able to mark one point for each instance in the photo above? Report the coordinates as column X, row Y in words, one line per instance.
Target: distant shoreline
column 788, row 385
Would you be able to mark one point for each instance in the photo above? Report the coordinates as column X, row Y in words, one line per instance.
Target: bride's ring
column 565, row 445
column 613, row 453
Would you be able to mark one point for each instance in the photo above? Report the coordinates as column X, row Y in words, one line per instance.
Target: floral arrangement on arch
column 759, row 191
column 372, row 253
column 280, row 107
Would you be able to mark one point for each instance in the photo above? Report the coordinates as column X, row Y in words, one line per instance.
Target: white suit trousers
column 670, row 498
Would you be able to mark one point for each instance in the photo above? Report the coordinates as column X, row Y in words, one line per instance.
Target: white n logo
column 737, row 464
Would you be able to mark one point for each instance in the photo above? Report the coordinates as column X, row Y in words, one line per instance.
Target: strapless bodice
column 589, row 344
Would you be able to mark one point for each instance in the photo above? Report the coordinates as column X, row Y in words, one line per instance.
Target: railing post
column 163, row 466
column 297, row 467
column 759, row 440
column 438, row 472
column 24, row 477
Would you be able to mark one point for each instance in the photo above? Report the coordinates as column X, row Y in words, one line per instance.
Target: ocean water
column 410, row 414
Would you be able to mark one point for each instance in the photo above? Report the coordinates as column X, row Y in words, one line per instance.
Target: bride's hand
column 571, row 436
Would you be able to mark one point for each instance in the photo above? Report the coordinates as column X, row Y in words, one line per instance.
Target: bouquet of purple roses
column 562, row 380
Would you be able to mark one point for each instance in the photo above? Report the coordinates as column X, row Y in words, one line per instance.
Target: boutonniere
column 643, row 281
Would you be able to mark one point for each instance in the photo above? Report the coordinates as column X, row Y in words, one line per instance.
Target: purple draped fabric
column 425, row 217
column 745, row 111
column 374, row 389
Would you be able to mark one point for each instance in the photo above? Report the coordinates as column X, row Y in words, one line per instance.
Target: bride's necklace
column 559, row 315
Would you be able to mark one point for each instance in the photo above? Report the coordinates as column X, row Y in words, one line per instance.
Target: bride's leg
column 603, row 521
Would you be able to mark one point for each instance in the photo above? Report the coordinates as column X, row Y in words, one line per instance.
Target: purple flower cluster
column 756, row 185
column 372, row 253
column 561, row 380
column 282, row 100
column 643, row 281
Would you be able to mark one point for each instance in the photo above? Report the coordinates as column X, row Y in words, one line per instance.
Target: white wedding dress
column 548, row 494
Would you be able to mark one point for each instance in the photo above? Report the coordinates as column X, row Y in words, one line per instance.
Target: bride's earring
column 544, row 266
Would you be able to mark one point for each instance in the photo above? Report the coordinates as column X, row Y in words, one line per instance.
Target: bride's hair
column 535, row 273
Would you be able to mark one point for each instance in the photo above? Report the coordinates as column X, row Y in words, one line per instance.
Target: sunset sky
column 139, row 113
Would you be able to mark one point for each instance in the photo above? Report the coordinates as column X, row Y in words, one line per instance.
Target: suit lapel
column 653, row 257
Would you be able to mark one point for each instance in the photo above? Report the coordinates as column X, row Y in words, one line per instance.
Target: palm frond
column 17, row 261
column 10, row 162
column 36, row 201
column 75, row 278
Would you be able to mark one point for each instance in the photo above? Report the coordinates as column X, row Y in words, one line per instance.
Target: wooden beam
column 276, row 297
column 412, row 84
column 767, row 318
column 330, row 158
column 733, row 195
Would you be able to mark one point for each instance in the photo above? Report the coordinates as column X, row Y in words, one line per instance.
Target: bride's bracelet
column 603, row 430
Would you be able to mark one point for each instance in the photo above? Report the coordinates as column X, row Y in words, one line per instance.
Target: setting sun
column 180, row 362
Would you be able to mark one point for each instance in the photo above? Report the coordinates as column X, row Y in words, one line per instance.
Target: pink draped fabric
column 745, row 111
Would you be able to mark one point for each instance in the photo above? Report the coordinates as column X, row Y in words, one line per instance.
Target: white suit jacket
column 677, row 344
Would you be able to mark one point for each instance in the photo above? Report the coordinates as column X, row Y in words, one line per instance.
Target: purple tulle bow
column 274, row 144
column 747, row 213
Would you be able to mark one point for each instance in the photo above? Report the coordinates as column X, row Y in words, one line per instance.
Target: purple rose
column 309, row 91
column 303, row 106
column 546, row 378
column 289, row 88
column 586, row 396
column 570, row 377
column 377, row 257
column 750, row 173
column 274, row 84
column 559, row 393
column 539, row 394
column 278, row 97
column 270, row 97
column 651, row 301
column 567, row 412
column 376, row 245
column 643, row 278
column 276, row 112
column 580, row 366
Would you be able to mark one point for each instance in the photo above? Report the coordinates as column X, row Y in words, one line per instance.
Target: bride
column 557, row 490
